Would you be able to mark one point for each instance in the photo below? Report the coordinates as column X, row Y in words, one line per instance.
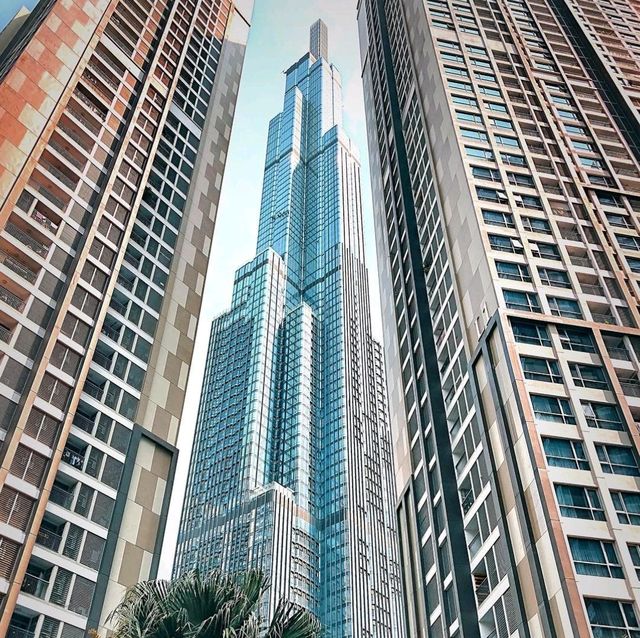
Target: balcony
column 583, row 262
column 61, row 497
column 9, row 298
column 37, row 247
column 34, row 585
column 5, row 333
column 83, row 422
column 69, row 182
column 482, row 587
column 45, row 192
column 607, row 318
column 44, row 221
column 73, row 458
column 48, row 539
column 630, row 387
column 17, row 267
column 63, row 152
column 20, row 632
column 102, row 359
column 93, row 389
column 111, row 332
column 592, row 289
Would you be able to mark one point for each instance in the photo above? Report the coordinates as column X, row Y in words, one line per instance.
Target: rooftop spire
column 319, row 40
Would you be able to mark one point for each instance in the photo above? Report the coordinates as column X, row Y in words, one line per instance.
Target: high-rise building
column 291, row 465
column 504, row 138
column 114, row 123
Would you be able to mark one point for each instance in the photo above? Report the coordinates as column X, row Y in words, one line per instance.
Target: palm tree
column 217, row 605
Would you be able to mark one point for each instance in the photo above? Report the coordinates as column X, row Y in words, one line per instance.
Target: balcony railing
column 585, row 262
column 17, row 267
column 34, row 585
column 61, row 497
column 102, row 359
column 618, row 352
column 604, row 318
column 19, row 632
column 112, row 333
column 60, row 175
column 73, row 458
column 27, row 240
column 125, row 283
column 5, row 334
column 631, row 388
column 9, row 298
column 483, row 589
column 83, row 422
column 93, row 389
column 43, row 220
column 592, row 289
column 119, row 307
column 67, row 156
column 54, row 199
column 50, row 540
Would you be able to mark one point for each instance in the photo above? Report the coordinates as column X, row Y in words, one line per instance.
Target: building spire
column 319, row 40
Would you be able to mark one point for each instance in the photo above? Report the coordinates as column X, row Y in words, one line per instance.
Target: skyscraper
column 504, row 141
column 291, row 465
column 114, row 123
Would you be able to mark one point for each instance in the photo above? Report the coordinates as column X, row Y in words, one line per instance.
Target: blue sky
column 8, row 8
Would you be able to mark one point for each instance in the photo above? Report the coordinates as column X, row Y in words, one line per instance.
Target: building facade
column 114, row 127
column 504, row 144
column 291, row 465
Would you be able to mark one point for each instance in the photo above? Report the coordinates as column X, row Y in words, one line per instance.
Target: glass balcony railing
column 35, row 245
column 20, row 632
column 61, row 497
column 17, row 267
column 9, row 298
column 35, row 585
column 73, row 458
column 50, row 540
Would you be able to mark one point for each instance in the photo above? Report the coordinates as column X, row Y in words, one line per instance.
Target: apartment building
column 114, row 124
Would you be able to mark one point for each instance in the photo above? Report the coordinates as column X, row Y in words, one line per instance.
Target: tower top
column 319, row 40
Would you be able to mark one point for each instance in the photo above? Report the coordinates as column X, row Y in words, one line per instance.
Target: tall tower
column 114, row 126
column 291, row 464
column 504, row 139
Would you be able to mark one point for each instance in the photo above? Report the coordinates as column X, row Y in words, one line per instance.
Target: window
column 452, row 57
column 505, row 140
column 544, row 251
column 505, row 244
column 513, row 160
column 576, row 501
column 491, row 195
column 576, row 130
column 531, row 333
column 528, row 201
column 561, row 307
column 517, row 300
column 498, row 218
column 617, row 459
column 552, row 409
column 472, row 134
column 536, row 369
column 462, row 116
column 588, row 376
column 456, row 85
column 485, row 90
column 518, row 179
column 513, row 271
column 634, row 264
column 576, row 339
column 634, row 551
column 565, row 453
column 621, row 221
column 492, row 106
column 590, row 162
column 628, row 242
column 612, row 618
column 567, row 115
column 551, row 277
column 491, row 174
column 593, row 557
column 536, row 225
column 464, row 101
column 627, row 505
column 480, row 153
column 603, row 415
column 500, row 123
column 583, row 146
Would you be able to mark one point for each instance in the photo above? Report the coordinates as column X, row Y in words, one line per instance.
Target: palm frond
column 291, row 621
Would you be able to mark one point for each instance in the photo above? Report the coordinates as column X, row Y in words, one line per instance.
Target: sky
column 8, row 8
column 279, row 37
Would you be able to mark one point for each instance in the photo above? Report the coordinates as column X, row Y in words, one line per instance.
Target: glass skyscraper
column 291, row 465
column 504, row 138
